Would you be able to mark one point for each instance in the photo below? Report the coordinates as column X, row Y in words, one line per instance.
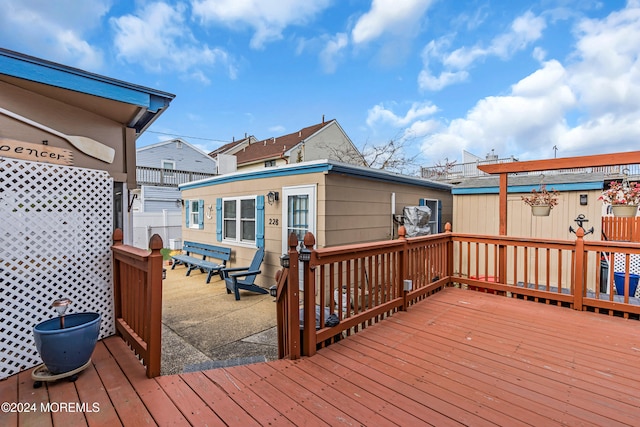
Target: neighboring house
column 339, row 203
column 162, row 167
column 326, row 140
column 67, row 163
column 157, row 206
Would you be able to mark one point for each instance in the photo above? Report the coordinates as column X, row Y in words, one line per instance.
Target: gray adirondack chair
column 237, row 278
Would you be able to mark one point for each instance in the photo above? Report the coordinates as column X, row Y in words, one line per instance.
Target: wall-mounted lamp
column 179, row 202
column 584, row 199
column 273, row 196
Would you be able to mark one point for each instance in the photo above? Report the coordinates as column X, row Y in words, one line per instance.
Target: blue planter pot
column 618, row 279
column 63, row 350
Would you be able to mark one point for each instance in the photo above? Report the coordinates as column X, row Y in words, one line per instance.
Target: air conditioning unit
column 175, row 244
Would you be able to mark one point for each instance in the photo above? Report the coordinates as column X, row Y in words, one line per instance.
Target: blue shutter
column 187, row 209
column 200, row 214
column 260, row 221
column 422, row 202
column 219, row 219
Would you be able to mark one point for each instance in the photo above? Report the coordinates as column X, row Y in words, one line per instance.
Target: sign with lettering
column 35, row 152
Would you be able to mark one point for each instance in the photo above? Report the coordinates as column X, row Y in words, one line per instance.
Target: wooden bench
column 206, row 251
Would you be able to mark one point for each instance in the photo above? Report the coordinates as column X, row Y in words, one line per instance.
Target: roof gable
column 276, row 147
column 233, row 146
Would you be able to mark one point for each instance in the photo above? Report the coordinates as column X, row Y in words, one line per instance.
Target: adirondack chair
column 233, row 276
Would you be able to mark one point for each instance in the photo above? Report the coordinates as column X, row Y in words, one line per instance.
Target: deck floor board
column 456, row 358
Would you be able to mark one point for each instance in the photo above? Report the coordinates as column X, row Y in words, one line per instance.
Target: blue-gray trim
column 577, row 186
column 38, row 70
column 316, row 167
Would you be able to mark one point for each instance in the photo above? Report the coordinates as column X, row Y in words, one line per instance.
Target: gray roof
column 532, row 179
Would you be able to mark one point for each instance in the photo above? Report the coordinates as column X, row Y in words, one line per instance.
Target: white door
column 298, row 214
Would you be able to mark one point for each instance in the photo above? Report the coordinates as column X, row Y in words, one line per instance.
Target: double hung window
column 239, row 218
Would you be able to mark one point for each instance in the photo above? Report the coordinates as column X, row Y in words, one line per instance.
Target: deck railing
column 348, row 288
column 621, row 229
column 137, row 287
column 288, row 302
column 167, row 177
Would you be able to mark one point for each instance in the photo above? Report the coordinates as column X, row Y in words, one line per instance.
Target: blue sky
column 516, row 77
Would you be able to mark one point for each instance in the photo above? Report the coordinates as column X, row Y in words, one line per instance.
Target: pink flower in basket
column 620, row 194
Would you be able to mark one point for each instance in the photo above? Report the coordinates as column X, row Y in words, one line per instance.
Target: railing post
column 578, row 288
column 117, row 280
column 154, row 308
column 449, row 254
column 293, row 300
column 309, row 324
column 402, row 266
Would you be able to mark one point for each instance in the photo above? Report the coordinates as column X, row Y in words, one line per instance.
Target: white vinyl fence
column 167, row 225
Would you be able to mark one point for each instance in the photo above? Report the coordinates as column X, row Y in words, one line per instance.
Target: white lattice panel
column 619, row 263
column 55, row 239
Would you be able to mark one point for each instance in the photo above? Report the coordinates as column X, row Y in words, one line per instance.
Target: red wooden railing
column 621, row 229
column 137, row 287
column 287, row 299
column 363, row 284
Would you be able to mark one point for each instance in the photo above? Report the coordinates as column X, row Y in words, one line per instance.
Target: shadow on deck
column 457, row 358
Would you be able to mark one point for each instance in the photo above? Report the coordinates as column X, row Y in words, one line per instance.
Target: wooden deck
column 458, row 358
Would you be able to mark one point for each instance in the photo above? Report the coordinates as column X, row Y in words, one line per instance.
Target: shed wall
column 520, row 221
column 358, row 210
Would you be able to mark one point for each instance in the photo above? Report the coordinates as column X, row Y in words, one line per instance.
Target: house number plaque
column 35, row 152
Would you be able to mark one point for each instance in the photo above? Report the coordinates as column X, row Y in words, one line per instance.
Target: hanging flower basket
column 541, row 210
column 541, row 200
column 624, row 211
column 624, row 198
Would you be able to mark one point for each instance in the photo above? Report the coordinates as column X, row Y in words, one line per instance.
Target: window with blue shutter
column 187, row 205
column 241, row 220
column 200, row 214
column 219, row 219
column 260, row 221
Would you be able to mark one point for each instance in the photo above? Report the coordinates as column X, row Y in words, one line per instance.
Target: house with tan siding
column 339, row 203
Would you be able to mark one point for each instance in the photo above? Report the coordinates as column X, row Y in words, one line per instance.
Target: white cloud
column 268, row 18
column 381, row 115
column 524, row 30
column 158, row 38
column 589, row 105
column 393, row 16
column 62, row 29
column 333, row 51
column 526, row 121
column 428, row 81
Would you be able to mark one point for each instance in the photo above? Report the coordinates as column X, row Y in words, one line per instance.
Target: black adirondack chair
column 237, row 278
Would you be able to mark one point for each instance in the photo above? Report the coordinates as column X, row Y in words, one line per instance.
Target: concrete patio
column 203, row 327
